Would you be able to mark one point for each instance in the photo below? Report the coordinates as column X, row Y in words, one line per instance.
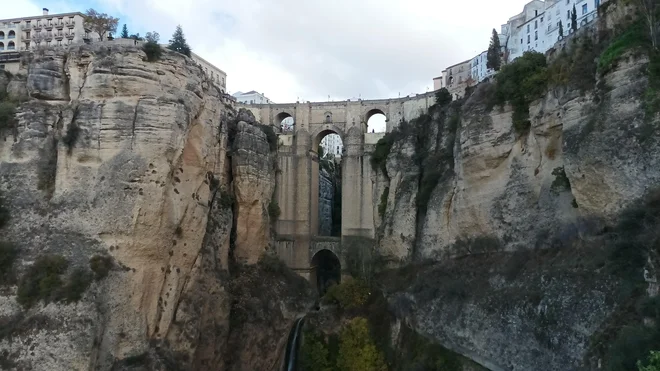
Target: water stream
column 292, row 346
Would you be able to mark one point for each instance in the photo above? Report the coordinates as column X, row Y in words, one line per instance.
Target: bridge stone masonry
column 297, row 193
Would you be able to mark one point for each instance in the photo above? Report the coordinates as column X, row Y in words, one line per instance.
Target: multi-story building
column 457, row 77
column 332, row 145
column 535, row 28
column 251, row 97
column 218, row 76
column 480, row 70
column 46, row 30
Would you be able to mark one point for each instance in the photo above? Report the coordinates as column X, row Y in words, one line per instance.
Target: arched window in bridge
column 328, row 118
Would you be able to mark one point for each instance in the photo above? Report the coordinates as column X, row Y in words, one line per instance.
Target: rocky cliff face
column 145, row 163
column 589, row 156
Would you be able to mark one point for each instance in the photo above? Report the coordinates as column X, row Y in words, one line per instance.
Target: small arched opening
column 285, row 121
column 2, row 35
column 11, row 46
column 11, row 35
column 2, row 46
column 376, row 121
column 327, row 170
column 325, row 270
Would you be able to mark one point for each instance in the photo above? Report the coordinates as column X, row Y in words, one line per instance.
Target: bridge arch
column 280, row 121
column 319, row 134
column 325, row 270
column 375, row 116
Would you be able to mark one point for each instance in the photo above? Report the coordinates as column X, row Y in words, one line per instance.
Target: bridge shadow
column 325, row 270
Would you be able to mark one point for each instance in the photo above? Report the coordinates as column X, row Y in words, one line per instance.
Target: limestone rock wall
column 114, row 155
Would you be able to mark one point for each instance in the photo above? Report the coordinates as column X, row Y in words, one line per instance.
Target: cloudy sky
column 311, row 49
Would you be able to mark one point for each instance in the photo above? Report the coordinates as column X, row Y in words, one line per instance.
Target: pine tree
column 494, row 59
column 561, row 29
column 178, row 42
column 574, row 19
column 124, row 32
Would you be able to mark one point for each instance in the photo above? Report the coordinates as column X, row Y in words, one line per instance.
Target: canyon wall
column 146, row 164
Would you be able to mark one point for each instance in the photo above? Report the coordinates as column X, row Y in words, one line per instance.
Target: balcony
column 59, row 26
column 59, row 37
column 38, row 27
column 27, row 37
column 48, row 27
column 71, row 24
column 70, row 36
column 28, row 26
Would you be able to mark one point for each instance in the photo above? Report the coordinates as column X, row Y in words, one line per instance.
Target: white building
column 332, row 144
column 218, row 76
column 251, row 97
column 479, row 70
column 46, row 30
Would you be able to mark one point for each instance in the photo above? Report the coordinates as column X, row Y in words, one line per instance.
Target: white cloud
column 309, row 49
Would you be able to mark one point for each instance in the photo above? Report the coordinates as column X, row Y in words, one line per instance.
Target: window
column 541, row 19
column 528, row 39
column 11, row 35
column 536, row 35
column 568, row 14
column 536, row 12
column 584, row 9
column 536, row 24
column 528, row 28
column 521, row 41
column 2, row 46
column 2, row 35
column 27, row 34
column 27, row 24
column 11, row 46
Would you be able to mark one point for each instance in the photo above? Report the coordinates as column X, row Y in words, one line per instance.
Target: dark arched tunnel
column 326, row 270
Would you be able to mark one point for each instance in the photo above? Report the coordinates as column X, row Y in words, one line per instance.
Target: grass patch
column 634, row 37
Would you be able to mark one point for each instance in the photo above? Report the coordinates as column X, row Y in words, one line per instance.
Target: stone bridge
column 298, row 179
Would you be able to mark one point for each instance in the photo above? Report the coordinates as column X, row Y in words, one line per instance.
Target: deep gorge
column 516, row 227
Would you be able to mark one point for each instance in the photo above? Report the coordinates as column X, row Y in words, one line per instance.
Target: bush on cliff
column 349, row 294
column 519, row 83
column 653, row 362
column 8, row 255
column 151, row 48
column 100, row 265
column 7, row 113
column 44, row 282
column 357, row 350
column 314, row 352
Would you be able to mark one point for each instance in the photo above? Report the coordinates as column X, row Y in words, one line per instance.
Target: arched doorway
column 327, row 173
column 325, row 270
column 376, row 121
column 285, row 122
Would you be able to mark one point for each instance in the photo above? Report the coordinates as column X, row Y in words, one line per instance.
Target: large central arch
column 319, row 186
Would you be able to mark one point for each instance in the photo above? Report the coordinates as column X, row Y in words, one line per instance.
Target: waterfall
column 292, row 345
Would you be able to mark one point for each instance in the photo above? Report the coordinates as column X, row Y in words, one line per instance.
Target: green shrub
column 7, row 114
column 226, row 199
column 653, row 362
column 271, row 137
column 8, row 255
column 442, row 97
column 272, row 264
column 152, row 50
column 100, row 265
column 71, row 137
column 349, row 294
column 382, row 150
column 274, row 210
column 382, row 206
column 4, row 213
column 519, row 83
column 42, row 281
column 357, row 350
column 561, row 182
column 77, row 282
column 314, row 354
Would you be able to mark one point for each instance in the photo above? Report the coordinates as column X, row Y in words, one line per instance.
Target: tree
column 653, row 361
column 124, row 32
column 151, row 47
column 650, row 10
column 494, row 58
column 100, row 23
column 137, row 37
column 561, row 29
column 574, row 24
column 178, row 42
